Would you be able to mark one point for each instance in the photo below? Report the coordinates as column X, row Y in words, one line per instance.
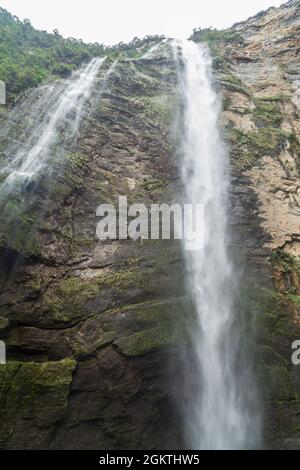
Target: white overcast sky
column 112, row 21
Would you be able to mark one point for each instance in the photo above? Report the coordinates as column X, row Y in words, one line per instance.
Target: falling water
column 57, row 112
column 218, row 416
column 35, row 141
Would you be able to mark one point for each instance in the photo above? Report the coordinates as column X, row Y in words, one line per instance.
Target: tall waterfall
column 56, row 113
column 218, row 416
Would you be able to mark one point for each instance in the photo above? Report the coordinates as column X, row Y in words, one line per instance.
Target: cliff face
column 97, row 313
column 93, row 329
column 261, row 117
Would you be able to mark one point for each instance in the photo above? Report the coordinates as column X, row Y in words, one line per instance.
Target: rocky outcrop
column 93, row 329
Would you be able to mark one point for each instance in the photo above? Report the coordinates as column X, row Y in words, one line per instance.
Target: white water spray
column 57, row 112
column 217, row 417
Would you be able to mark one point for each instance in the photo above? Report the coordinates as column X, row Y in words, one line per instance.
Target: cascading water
column 35, row 142
column 217, row 417
column 57, row 112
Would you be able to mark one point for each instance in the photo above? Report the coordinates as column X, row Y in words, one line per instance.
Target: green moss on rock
column 82, row 347
column 146, row 341
column 157, row 109
column 213, row 35
column 18, row 228
column 270, row 314
column 248, row 147
column 233, row 83
column 286, row 270
column 160, row 324
column 267, row 114
column 275, row 383
column 33, row 391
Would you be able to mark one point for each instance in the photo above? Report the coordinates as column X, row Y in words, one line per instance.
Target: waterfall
column 58, row 111
column 218, row 416
column 35, row 140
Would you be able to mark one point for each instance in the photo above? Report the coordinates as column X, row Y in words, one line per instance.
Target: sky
column 112, row 21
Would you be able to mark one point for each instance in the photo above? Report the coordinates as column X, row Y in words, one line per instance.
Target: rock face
column 261, row 117
column 93, row 329
column 99, row 315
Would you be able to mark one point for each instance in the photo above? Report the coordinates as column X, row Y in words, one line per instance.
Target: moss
column 295, row 300
column 227, row 103
column 280, row 98
column 32, row 378
column 275, row 383
column 147, row 326
column 287, row 262
column 66, row 301
column 76, row 159
column 149, row 340
column 281, row 422
column 269, row 357
column 33, row 391
column 155, row 187
column 248, row 147
column 109, row 188
column 233, row 83
column 161, row 312
column 67, row 175
column 132, row 326
column 268, row 316
column 158, row 109
column 127, row 77
column 23, row 215
column 213, row 35
column 267, row 114
column 19, row 228
column 262, row 307
column 137, row 44
column 286, row 270
column 123, row 279
column 81, row 349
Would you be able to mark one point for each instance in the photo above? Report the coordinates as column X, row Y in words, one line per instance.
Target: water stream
column 57, row 112
column 218, row 415
column 35, row 139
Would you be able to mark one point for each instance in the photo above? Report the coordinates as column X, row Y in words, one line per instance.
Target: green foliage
column 137, row 47
column 212, row 35
column 286, row 261
column 40, row 390
column 233, row 83
column 29, row 56
column 287, row 270
column 248, row 147
column 267, row 114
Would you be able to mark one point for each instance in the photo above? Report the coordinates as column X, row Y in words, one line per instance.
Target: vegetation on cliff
column 29, row 56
